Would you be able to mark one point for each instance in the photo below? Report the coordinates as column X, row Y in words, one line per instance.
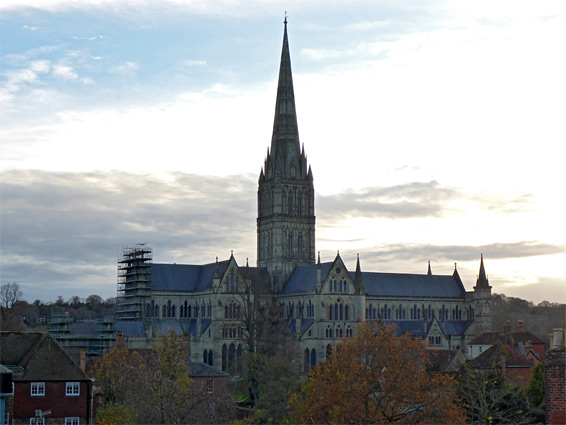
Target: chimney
column 83, row 360
column 557, row 338
column 520, row 326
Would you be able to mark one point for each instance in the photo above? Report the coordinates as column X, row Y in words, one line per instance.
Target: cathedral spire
column 482, row 281
column 285, row 146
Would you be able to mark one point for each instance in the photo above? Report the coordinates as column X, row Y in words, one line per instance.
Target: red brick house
column 514, row 365
column 526, row 343
column 49, row 387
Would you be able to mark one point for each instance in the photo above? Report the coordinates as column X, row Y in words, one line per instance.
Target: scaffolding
column 134, row 276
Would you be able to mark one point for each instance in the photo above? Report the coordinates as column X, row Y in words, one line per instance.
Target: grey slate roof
column 415, row 328
column 304, row 279
column 131, row 329
column 163, row 326
column 184, row 277
column 411, row 285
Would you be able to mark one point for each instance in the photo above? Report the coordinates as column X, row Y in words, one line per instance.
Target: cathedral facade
column 321, row 302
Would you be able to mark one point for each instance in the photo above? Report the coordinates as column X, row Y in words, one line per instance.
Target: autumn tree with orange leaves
column 376, row 378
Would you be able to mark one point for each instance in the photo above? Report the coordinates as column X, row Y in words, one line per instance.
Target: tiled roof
column 35, row 356
column 445, row 360
column 491, row 338
column 415, row 328
column 525, row 336
column 486, row 338
column 411, row 285
column 193, row 278
column 499, row 354
column 454, row 327
column 184, row 277
column 304, row 278
column 131, row 328
column 200, row 369
column 164, row 326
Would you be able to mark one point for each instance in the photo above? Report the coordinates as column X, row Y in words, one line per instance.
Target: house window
column 38, row 388
column 36, row 421
column 73, row 388
column 210, row 385
column 71, row 421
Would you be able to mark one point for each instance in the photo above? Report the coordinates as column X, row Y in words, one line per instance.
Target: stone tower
column 482, row 303
column 285, row 196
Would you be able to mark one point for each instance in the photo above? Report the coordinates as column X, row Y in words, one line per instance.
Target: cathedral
column 321, row 302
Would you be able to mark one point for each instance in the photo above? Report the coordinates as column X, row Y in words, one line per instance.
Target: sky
column 435, row 131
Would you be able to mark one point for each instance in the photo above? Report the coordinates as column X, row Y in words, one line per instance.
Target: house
column 514, row 365
column 526, row 343
column 48, row 385
column 446, row 361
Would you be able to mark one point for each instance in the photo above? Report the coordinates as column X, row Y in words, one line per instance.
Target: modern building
column 322, row 301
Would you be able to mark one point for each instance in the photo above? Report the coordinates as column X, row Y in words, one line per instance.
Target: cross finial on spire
column 285, row 21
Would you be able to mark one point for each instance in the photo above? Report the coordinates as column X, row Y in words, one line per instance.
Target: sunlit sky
column 435, row 131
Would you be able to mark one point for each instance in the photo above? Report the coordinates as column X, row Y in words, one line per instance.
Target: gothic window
column 290, row 245
column 173, row 308
column 189, row 311
column 203, row 310
column 341, row 311
column 290, row 204
column 313, row 357
column 330, row 310
column 209, row 313
column 205, row 356
column 346, row 287
column 300, row 243
column 210, row 358
column 346, row 311
column 300, row 205
column 231, row 356
column 307, row 361
column 164, row 312
column 224, row 357
column 181, row 311
column 148, row 311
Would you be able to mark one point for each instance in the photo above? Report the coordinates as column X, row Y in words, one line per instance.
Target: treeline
column 539, row 319
column 18, row 314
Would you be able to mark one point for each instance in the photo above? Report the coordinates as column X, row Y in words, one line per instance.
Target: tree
column 535, row 394
column 153, row 386
column 488, row 398
column 376, row 377
column 10, row 294
column 10, row 297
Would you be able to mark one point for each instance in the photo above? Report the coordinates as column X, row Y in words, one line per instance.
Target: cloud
column 493, row 251
column 66, row 229
column 416, row 199
column 65, row 72
column 125, row 68
column 27, row 27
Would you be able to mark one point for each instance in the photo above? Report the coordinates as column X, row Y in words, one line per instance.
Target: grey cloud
column 67, row 229
column 416, row 199
column 425, row 252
